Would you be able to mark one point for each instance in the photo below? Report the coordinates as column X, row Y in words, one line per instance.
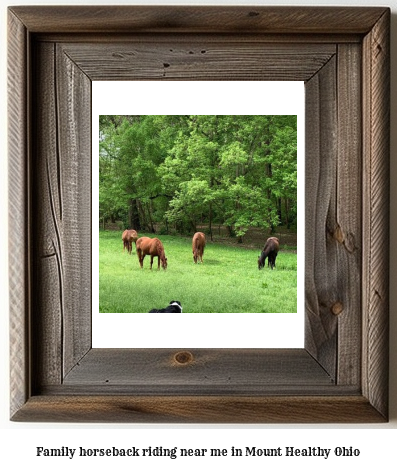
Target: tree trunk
column 269, row 174
column 133, row 215
column 210, row 220
column 287, row 218
column 151, row 225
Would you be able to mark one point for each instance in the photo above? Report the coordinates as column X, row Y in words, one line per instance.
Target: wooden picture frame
column 342, row 54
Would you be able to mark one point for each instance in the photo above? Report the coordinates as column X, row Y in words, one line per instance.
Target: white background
column 376, row 442
column 231, row 330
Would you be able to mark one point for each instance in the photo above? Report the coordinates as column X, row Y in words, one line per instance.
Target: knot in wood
column 337, row 308
column 338, row 235
column 183, row 358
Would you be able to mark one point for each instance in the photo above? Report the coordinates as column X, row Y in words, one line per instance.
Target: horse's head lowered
column 164, row 262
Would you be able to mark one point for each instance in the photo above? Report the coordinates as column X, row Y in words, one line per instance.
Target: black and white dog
column 174, row 306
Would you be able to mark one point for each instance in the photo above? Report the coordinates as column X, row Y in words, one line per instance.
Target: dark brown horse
column 154, row 248
column 129, row 236
column 270, row 251
column 198, row 245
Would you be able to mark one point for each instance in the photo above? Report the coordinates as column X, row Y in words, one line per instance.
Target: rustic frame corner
column 342, row 54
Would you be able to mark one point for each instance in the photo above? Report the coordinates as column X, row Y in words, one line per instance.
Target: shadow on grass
column 209, row 261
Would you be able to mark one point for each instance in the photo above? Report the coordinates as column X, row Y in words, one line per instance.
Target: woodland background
column 173, row 174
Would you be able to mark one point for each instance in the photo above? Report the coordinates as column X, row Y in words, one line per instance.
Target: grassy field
column 228, row 280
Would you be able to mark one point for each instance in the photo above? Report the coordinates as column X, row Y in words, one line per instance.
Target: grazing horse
column 198, row 245
column 152, row 247
column 129, row 236
column 270, row 250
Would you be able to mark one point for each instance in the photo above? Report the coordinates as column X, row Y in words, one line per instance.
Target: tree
column 234, row 170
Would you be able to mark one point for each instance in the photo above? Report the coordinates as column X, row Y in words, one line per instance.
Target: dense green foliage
column 172, row 173
column 228, row 281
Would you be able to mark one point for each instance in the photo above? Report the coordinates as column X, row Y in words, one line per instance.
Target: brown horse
column 154, row 248
column 129, row 236
column 198, row 245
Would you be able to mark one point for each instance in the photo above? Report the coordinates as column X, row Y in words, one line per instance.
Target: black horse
column 270, row 251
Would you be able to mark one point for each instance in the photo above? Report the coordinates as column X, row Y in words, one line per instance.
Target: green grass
column 228, row 280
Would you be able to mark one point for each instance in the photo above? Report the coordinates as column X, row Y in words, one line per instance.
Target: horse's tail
column 138, row 247
column 196, row 242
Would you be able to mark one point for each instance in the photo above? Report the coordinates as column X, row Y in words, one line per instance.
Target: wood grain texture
column 199, row 60
column 376, row 92
column 341, row 375
column 346, row 228
column 19, row 227
column 74, row 108
column 62, row 206
column 47, row 294
column 333, row 215
column 198, row 19
column 199, row 409
column 321, row 278
column 229, row 370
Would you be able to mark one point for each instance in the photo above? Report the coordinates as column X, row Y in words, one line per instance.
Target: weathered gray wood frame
column 342, row 54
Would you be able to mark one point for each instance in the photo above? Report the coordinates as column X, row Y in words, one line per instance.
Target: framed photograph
column 228, row 171
column 57, row 56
